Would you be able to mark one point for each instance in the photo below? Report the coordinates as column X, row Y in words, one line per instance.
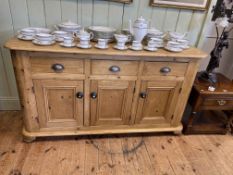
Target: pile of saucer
column 29, row 33
column 101, row 32
column 44, row 39
column 59, row 35
column 176, row 42
column 26, row 34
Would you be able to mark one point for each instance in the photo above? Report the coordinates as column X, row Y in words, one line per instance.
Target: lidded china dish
column 68, row 26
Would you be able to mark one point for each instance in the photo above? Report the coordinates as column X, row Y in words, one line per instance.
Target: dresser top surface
column 16, row 44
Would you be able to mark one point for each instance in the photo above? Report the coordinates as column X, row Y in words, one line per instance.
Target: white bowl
column 173, row 43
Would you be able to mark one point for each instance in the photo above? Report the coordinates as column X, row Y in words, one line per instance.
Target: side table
column 211, row 112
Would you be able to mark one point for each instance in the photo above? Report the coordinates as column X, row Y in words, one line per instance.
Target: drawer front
column 218, row 103
column 57, row 65
column 106, row 67
column 165, row 68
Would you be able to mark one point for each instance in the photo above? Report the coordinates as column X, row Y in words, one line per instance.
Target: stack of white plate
column 174, row 46
column 26, row 34
column 44, row 39
column 154, row 33
column 101, row 32
column 179, row 38
column 158, row 42
column 184, row 43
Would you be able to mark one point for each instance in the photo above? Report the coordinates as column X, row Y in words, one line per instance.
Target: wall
column 16, row 14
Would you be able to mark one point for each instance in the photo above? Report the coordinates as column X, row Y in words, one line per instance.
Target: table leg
column 230, row 124
column 194, row 112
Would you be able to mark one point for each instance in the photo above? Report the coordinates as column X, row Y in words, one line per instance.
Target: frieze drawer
column 109, row 67
column 57, row 65
column 165, row 68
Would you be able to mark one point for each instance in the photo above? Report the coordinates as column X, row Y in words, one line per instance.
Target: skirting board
column 9, row 103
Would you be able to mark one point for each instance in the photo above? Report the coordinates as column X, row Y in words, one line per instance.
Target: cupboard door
column 157, row 100
column 111, row 102
column 59, row 103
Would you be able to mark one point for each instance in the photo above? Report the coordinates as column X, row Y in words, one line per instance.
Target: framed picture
column 123, row 1
column 186, row 4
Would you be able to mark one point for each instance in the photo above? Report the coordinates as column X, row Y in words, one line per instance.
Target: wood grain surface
column 16, row 44
column 112, row 155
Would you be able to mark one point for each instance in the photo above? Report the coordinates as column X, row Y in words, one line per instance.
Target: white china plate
column 173, row 49
column 35, row 41
column 98, row 47
column 150, row 49
column 159, row 45
column 84, row 47
column 135, row 49
column 26, row 38
column 115, row 47
column 59, row 39
column 185, row 47
column 67, row 45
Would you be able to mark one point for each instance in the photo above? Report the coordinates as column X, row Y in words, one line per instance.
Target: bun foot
column 178, row 133
column 28, row 139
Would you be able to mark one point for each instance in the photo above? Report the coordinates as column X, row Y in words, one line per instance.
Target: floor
column 153, row 154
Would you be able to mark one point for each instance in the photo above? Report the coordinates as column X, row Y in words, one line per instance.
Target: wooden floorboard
column 147, row 154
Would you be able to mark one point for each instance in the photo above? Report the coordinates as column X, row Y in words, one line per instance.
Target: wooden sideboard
column 71, row 91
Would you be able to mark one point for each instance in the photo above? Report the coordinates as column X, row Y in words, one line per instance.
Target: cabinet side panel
column 26, row 90
column 184, row 94
column 87, row 84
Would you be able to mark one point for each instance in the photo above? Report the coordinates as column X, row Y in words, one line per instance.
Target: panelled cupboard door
column 157, row 101
column 111, row 102
column 59, row 103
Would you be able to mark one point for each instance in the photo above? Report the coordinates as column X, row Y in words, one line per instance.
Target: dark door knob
column 115, row 69
column 58, row 67
column 165, row 70
column 79, row 95
column 143, row 95
column 93, row 95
